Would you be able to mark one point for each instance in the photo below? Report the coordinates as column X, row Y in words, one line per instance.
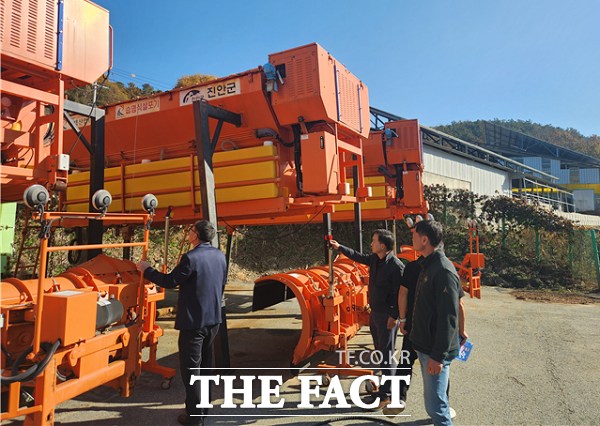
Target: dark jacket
column 435, row 313
column 201, row 277
column 410, row 277
column 384, row 279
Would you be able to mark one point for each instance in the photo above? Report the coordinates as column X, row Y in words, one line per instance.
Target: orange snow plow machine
column 47, row 48
column 303, row 118
column 81, row 329
column 335, row 306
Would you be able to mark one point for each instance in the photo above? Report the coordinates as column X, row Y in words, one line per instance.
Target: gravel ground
column 532, row 363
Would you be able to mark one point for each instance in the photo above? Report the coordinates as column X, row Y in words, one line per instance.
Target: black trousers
column 195, row 351
column 384, row 341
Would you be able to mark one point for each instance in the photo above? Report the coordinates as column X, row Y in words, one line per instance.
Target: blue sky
column 438, row 61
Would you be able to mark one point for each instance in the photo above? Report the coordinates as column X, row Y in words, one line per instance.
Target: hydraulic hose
column 298, row 157
column 6, row 354
column 33, row 371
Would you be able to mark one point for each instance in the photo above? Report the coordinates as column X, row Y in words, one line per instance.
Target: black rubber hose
column 15, row 367
column 6, row 354
column 298, row 157
column 313, row 123
column 42, row 365
column 34, row 370
column 341, row 419
column 284, row 143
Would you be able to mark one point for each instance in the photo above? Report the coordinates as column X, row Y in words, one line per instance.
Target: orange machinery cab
column 317, row 105
column 399, row 150
column 317, row 87
column 47, row 48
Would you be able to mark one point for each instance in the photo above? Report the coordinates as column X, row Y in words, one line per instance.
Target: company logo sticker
column 132, row 109
column 214, row 91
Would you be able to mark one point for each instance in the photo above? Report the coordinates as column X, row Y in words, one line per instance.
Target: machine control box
column 69, row 316
column 320, row 164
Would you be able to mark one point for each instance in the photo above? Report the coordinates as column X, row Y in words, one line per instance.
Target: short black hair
column 432, row 230
column 206, row 230
column 385, row 237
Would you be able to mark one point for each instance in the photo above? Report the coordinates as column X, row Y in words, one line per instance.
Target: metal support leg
column 96, row 150
column 221, row 343
column 357, row 214
column 96, row 181
column 127, row 232
column 205, row 148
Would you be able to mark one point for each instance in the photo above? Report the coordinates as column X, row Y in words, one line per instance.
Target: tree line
column 474, row 131
column 108, row 92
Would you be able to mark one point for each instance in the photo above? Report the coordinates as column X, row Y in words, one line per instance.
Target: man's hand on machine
column 334, row 244
column 142, row 265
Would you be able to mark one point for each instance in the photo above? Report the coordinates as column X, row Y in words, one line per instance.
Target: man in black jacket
column 434, row 333
column 385, row 271
column 406, row 300
column 201, row 276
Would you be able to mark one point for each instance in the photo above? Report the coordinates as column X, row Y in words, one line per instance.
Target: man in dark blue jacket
column 201, row 276
column 385, row 271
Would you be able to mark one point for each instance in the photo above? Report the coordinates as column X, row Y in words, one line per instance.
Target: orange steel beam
column 30, row 93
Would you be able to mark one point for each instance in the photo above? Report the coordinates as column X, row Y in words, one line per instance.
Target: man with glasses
column 385, row 271
column 201, row 276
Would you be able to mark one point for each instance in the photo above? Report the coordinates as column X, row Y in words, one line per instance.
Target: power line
column 138, row 77
column 125, row 78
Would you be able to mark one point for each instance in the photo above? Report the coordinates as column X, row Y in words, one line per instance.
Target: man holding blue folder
column 435, row 322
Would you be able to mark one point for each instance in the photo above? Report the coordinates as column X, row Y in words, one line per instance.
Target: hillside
column 473, row 131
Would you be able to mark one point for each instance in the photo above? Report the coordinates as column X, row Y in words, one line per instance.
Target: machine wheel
column 166, row 384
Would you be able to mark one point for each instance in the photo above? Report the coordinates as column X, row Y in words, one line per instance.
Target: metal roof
column 510, row 142
column 459, row 147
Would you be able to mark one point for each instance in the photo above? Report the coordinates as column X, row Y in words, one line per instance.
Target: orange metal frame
column 25, row 134
column 23, row 309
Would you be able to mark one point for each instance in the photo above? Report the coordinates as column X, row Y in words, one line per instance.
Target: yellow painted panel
column 245, row 172
column 82, row 192
column 79, row 177
column 178, row 199
column 148, row 184
column 369, row 205
column 370, row 180
column 78, row 192
column 245, row 193
column 83, row 207
column 377, row 191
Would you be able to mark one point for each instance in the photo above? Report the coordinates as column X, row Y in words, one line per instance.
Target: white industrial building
column 486, row 171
